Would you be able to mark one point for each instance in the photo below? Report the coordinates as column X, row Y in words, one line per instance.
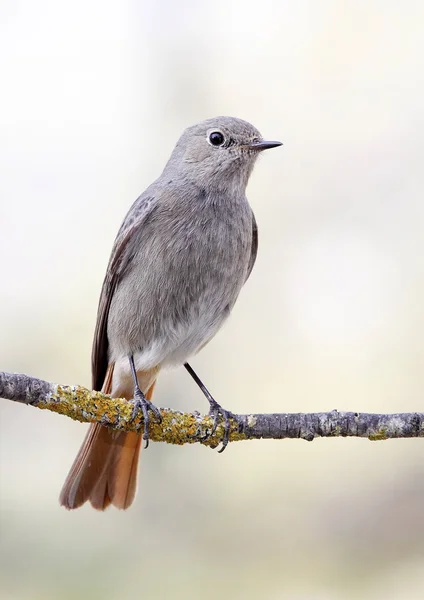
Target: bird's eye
column 216, row 138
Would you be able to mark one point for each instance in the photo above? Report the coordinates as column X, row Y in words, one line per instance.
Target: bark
column 88, row 406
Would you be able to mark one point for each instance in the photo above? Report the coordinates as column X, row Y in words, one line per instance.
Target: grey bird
column 179, row 261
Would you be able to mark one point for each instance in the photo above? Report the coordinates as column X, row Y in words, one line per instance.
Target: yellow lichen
column 84, row 405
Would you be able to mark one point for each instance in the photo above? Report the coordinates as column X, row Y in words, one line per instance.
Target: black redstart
column 179, row 261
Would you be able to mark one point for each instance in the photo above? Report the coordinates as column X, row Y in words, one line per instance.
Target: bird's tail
column 105, row 469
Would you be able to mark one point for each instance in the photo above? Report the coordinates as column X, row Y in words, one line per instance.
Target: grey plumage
column 179, row 261
column 182, row 254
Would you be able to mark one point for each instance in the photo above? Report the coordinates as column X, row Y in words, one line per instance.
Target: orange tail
column 105, row 469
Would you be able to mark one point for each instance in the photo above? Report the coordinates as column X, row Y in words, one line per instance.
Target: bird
column 180, row 258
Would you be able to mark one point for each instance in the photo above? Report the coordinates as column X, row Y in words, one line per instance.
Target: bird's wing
column 123, row 252
column 254, row 247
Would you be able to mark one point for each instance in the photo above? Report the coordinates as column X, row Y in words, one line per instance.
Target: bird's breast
column 184, row 281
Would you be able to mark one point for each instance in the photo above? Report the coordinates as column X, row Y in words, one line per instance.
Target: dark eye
column 216, row 138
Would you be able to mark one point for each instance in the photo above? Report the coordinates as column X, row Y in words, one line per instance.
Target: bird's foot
column 141, row 403
column 216, row 411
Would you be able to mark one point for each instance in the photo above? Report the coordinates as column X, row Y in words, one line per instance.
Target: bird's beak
column 263, row 145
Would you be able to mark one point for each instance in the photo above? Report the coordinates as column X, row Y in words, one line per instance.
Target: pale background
column 93, row 97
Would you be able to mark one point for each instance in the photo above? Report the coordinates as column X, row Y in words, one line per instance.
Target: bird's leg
column 141, row 403
column 215, row 410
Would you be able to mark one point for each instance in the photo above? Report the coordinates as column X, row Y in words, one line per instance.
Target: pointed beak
column 264, row 145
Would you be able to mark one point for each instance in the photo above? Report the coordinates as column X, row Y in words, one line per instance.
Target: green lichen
column 336, row 431
column 380, row 434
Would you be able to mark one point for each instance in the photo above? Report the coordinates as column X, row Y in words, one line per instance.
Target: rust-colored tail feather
column 105, row 469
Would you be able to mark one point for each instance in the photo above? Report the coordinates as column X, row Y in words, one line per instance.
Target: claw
column 141, row 403
column 216, row 411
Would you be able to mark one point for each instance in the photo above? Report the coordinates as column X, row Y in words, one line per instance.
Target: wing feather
column 254, row 247
column 122, row 254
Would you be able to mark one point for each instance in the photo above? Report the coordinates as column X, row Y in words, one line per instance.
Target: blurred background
column 93, row 98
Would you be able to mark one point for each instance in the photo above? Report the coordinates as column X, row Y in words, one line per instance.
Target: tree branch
column 85, row 405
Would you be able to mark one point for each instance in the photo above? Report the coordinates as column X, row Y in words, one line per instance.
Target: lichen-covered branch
column 85, row 405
